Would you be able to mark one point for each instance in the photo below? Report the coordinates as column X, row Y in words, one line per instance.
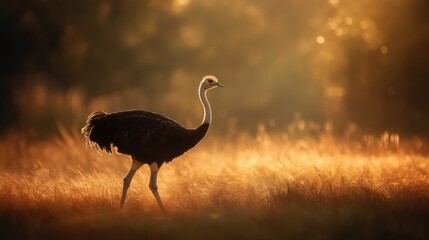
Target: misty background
column 351, row 63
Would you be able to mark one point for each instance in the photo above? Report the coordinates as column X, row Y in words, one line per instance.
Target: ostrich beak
column 219, row 84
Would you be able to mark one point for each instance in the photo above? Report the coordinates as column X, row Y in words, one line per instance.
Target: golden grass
column 236, row 185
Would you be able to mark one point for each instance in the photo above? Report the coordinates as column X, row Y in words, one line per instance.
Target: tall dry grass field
column 268, row 186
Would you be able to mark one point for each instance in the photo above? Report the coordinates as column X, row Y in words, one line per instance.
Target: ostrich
column 149, row 138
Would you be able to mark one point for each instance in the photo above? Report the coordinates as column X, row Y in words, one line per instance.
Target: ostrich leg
column 152, row 184
column 135, row 165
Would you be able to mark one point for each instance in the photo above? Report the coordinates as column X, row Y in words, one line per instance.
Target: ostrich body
column 149, row 138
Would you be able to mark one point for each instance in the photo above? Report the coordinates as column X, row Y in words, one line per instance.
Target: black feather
column 146, row 136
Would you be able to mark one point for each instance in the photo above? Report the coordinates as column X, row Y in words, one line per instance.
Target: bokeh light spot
column 339, row 31
column 348, row 21
column 384, row 50
column 335, row 91
column 363, row 24
column 334, row 2
column 320, row 39
column 179, row 5
column 183, row 2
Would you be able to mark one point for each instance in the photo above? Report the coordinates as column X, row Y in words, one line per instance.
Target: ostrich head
column 210, row 82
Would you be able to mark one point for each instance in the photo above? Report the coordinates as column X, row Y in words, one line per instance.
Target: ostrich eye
column 210, row 81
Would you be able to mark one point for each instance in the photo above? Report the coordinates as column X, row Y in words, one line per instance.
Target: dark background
column 351, row 63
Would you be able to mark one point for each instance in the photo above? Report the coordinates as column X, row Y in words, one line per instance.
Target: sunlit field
column 260, row 186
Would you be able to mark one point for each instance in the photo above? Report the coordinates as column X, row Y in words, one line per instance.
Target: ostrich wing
column 137, row 132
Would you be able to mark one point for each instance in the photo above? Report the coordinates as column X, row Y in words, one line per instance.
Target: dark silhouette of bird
column 149, row 138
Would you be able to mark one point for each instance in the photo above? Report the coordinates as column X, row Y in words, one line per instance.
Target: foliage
column 346, row 61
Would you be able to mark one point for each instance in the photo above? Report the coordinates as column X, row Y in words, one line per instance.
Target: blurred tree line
column 362, row 62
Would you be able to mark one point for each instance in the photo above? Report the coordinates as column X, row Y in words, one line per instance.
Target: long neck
column 207, row 110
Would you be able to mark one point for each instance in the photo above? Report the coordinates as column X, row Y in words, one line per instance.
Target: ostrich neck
column 207, row 110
